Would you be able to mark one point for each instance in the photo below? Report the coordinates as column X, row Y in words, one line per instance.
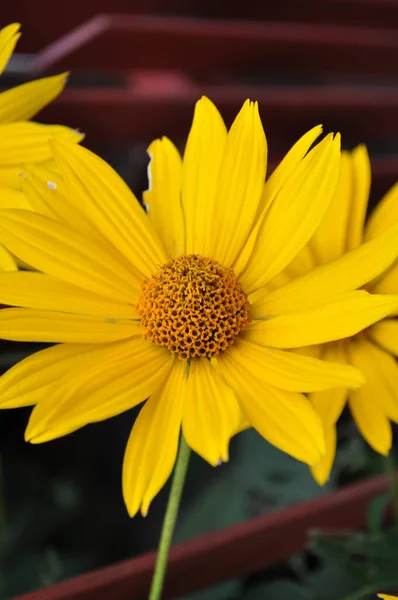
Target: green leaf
column 359, row 564
column 376, row 512
column 278, row 590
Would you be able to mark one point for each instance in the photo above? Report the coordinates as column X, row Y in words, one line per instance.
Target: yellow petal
column 240, row 185
column 360, row 197
column 13, row 199
column 321, row 471
column 286, row 419
column 211, row 414
column 30, row 380
column 13, row 176
column 47, row 195
column 30, row 325
column 22, row 102
column 290, row 371
column 369, row 414
column 384, row 215
column 101, row 386
column 277, row 282
column 286, row 168
column 163, row 198
column 300, row 265
column 58, row 250
column 152, row 447
column 385, row 334
column 110, row 205
column 329, row 404
column 200, row 171
column 305, row 198
column 329, row 240
column 342, row 316
column 388, row 282
column 349, row 272
column 387, row 597
column 277, row 179
column 8, row 38
column 7, row 261
column 315, row 351
column 371, row 422
column 36, row 290
column 381, row 374
column 10, row 177
column 26, row 142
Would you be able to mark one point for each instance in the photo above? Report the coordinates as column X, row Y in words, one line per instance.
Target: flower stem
column 170, row 518
column 393, row 479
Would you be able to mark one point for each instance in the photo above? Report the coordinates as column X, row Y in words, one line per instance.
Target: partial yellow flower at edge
column 387, row 597
column 9, row 36
column 24, row 101
column 374, row 350
column 160, row 306
column 20, row 141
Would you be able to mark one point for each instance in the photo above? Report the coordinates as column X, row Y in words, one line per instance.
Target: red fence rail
column 141, row 41
column 46, row 20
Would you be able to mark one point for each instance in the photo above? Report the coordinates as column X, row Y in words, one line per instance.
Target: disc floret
column 194, row 306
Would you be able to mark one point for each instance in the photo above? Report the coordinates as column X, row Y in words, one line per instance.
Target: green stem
column 393, row 479
column 170, row 518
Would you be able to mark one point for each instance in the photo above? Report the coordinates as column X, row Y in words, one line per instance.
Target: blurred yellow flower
column 22, row 141
column 387, row 597
column 174, row 304
column 373, row 351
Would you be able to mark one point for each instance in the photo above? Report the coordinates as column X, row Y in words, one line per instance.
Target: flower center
column 193, row 306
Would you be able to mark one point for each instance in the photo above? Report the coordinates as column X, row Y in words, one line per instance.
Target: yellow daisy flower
column 375, row 404
column 20, row 140
column 172, row 304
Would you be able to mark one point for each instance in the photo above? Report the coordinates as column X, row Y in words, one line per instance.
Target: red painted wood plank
column 47, row 20
column 232, row 552
column 128, row 115
column 372, row 13
column 127, row 42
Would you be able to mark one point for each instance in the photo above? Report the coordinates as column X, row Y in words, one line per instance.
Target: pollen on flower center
column 193, row 306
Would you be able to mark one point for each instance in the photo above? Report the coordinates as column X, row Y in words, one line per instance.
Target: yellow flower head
column 22, row 141
column 176, row 303
column 375, row 404
column 387, row 597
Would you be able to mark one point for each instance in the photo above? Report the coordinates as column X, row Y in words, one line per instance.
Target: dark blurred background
column 137, row 69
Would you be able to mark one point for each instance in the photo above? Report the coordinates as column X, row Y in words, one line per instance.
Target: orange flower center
column 193, row 306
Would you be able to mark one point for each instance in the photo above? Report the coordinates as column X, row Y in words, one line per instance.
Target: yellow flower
column 172, row 304
column 387, row 597
column 20, row 140
column 372, row 351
